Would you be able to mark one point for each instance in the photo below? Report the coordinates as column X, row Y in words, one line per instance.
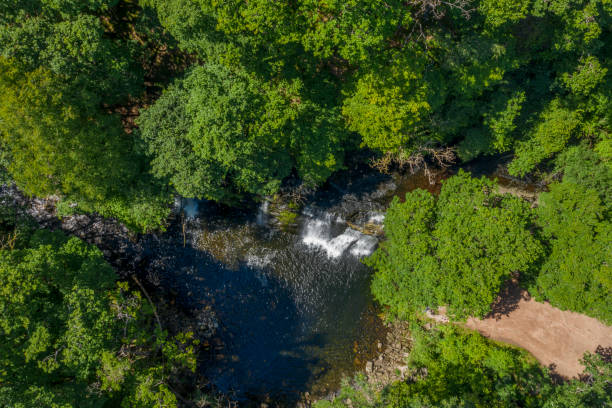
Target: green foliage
column 189, row 24
column 275, row 89
column 585, row 167
column 280, row 31
column 284, row 80
column 287, row 217
column 406, row 271
column 359, row 392
column 390, row 104
column 58, row 144
column 221, row 133
column 499, row 131
column 62, row 64
column 555, row 128
column 68, row 38
column 456, row 368
column 465, row 369
column 577, row 273
column 72, row 337
column 575, row 220
column 502, row 12
column 457, row 250
column 585, row 79
column 529, row 76
column 453, row 367
column 354, row 30
column 577, row 394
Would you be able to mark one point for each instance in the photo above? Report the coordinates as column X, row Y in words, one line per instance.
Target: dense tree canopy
column 72, row 337
column 70, row 39
column 220, row 133
column 62, row 64
column 490, row 76
column 235, row 98
column 57, row 142
column 456, row 250
column 309, row 80
column 576, row 222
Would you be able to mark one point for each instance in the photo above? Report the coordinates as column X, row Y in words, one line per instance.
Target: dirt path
column 556, row 338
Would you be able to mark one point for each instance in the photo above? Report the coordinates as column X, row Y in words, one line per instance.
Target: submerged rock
column 207, row 322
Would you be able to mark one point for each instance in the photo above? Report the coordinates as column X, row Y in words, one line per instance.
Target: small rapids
column 321, row 232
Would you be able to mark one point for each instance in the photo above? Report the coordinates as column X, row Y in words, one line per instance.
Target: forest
column 116, row 108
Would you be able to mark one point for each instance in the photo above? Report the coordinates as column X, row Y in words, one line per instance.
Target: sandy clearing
column 557, row 338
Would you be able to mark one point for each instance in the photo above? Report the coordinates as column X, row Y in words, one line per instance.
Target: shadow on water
column 261, row 327
column 292, row 319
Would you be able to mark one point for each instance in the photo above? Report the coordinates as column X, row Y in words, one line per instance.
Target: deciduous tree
column 456, row 250
column 72, row 337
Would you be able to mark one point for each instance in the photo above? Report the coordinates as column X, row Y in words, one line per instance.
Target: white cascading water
column 262, row 214
column 317, row 232
column 190, row 207
column 364, row 246
column 376, row 218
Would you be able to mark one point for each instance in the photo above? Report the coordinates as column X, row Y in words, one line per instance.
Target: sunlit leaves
column 72, row 337
column 577, row 273
column 222, row 133
column 551, row 134
column 455, row 251
column 58, row 142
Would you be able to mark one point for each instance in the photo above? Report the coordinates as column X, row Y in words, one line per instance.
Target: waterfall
column 376, row 218
column 365, row 245
column 262, row 214
column 321, row 231
column 190, row 206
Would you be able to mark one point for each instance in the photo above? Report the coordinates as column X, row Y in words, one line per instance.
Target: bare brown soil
column 557, row 338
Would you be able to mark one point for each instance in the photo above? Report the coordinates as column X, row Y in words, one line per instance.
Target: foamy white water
column 317, row 232
column 364, row 246
column 190, row 207
column 262, row 214
column 376, row 218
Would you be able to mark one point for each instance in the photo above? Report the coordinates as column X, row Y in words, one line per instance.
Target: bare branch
column 437, row 8
column 417, row 160
column 150, row 301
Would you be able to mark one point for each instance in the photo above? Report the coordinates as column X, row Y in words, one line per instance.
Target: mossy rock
column 286, row 218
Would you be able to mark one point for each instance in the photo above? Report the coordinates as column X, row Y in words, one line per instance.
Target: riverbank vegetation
column 72, row 335
column 453, row 367
column 454, row 250
column 457, row 249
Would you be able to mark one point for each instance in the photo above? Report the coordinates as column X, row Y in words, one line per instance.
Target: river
column 293, row 304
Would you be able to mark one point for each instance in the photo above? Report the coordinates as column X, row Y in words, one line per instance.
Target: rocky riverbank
column 390, row 366
column 127, row 253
